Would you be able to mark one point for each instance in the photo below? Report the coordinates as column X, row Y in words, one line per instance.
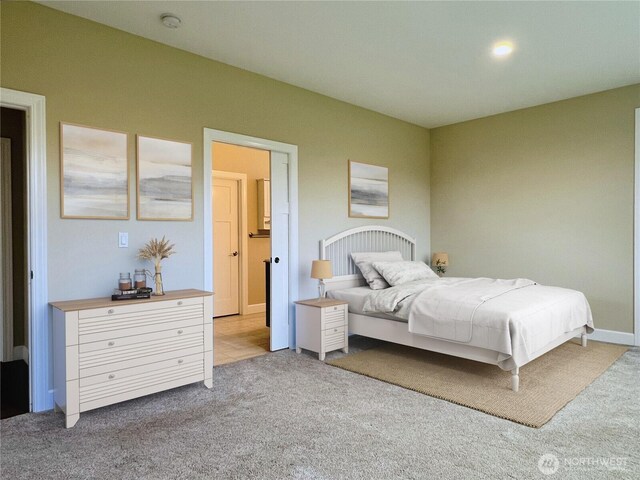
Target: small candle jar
column 140, row 279
column 125, row 281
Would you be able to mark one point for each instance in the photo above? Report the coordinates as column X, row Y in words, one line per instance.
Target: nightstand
column 322, row 326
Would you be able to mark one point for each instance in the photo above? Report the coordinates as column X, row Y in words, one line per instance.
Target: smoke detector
column 170, row 20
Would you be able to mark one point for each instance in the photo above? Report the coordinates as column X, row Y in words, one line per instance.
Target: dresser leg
column 298, row 350
column 208, row 382
column 321, row 356
column 71, row 420
column 345, row 349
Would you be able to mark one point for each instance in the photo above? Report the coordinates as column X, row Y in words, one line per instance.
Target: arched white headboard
column 370, row 238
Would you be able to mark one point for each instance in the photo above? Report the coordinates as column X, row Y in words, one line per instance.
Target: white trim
column 20, row 352
column 611, row 336
column 38, row 337
column 636, row 236
column 243, row 234
column 256, row 308
column 210, row 136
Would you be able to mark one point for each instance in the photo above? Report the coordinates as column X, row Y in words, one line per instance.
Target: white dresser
column 108, row 351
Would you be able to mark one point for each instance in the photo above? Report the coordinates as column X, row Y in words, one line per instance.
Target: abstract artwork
column 94, row 173
column 164, row 180
column 368, row 191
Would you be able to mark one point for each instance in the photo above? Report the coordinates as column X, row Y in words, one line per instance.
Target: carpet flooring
column 546, row 384
column 289, row 416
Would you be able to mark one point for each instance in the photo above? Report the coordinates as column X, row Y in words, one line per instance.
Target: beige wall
column 544, row 193
column 255, row 164
column 94, row 75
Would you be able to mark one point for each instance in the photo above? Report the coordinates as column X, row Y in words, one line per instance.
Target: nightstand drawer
column 340, row 322
column 334, row 316
column 334, row 335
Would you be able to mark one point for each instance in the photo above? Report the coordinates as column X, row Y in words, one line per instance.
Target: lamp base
column 321, row 290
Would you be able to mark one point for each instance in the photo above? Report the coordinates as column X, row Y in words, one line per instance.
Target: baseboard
column 21, row 352
column 611, row 336
column 256, row 308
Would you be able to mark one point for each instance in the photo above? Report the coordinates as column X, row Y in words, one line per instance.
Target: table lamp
column 321, row 269
column 440, row 260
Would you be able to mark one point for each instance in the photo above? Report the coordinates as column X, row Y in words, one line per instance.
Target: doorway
column 38, row 334
column 283, row 276
column 14, row 290
column 241, row 245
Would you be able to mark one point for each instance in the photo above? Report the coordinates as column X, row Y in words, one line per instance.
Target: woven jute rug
column 546, row 385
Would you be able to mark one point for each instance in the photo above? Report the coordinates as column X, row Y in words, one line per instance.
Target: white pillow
column 398, row 273
column 364, row 261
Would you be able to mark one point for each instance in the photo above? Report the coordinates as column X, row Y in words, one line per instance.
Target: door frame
column 243, row 243
column 38, row 335
column 210, row 136
column 636, row 235
column 6, row 249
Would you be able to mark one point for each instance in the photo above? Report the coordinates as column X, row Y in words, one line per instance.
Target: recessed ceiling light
column 502, row 49
column 170, row 20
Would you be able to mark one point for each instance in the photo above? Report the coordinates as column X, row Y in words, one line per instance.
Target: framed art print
column 94, row 173
column 368, row 191
column 165, row 190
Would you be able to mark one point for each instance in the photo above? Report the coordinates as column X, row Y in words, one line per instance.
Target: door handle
column 234, row 254
column 277, row 259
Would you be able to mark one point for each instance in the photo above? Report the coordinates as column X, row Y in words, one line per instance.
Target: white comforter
column 515, row 318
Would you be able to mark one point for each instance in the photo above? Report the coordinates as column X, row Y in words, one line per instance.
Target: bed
column 498, row 333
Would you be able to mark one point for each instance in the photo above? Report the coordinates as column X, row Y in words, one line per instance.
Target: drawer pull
column 335, row 330
column 111, row 310
column 111, row 344
column 112, row 376
column 180, row 302
column 335, row 308
column 180, row 331
column 180, row 361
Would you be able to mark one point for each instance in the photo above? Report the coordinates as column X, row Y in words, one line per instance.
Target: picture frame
column 94, row 173
column 164, row 179
column 368, row 190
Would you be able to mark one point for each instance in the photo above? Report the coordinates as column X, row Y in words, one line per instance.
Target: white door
column 279, row 251
column 225, row 247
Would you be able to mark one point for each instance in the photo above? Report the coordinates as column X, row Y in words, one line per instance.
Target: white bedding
column 356, row 297
column 515, row 322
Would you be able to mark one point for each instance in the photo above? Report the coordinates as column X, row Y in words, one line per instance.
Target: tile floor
column 239, row 337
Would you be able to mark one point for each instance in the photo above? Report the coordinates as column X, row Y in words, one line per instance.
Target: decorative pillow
column 364, row 260
column 398, row 273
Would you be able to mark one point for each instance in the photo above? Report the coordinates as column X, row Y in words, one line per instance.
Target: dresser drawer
column 178, row 331
column 116, row 377
column 121, row 324
column 127, row 356
column 135, row 385
column 136, row 308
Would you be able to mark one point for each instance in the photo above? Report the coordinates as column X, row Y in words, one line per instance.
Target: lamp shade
column 440, row 258
column 321, row 269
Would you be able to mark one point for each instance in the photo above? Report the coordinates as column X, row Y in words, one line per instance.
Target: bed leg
column 583, row 338
column 515, row 379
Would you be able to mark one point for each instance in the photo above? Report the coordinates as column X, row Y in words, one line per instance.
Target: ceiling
column 429, row 63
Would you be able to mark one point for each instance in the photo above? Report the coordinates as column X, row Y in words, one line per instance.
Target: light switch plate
column 123, row 239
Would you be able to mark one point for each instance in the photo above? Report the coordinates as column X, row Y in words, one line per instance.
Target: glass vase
column 158, row 280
